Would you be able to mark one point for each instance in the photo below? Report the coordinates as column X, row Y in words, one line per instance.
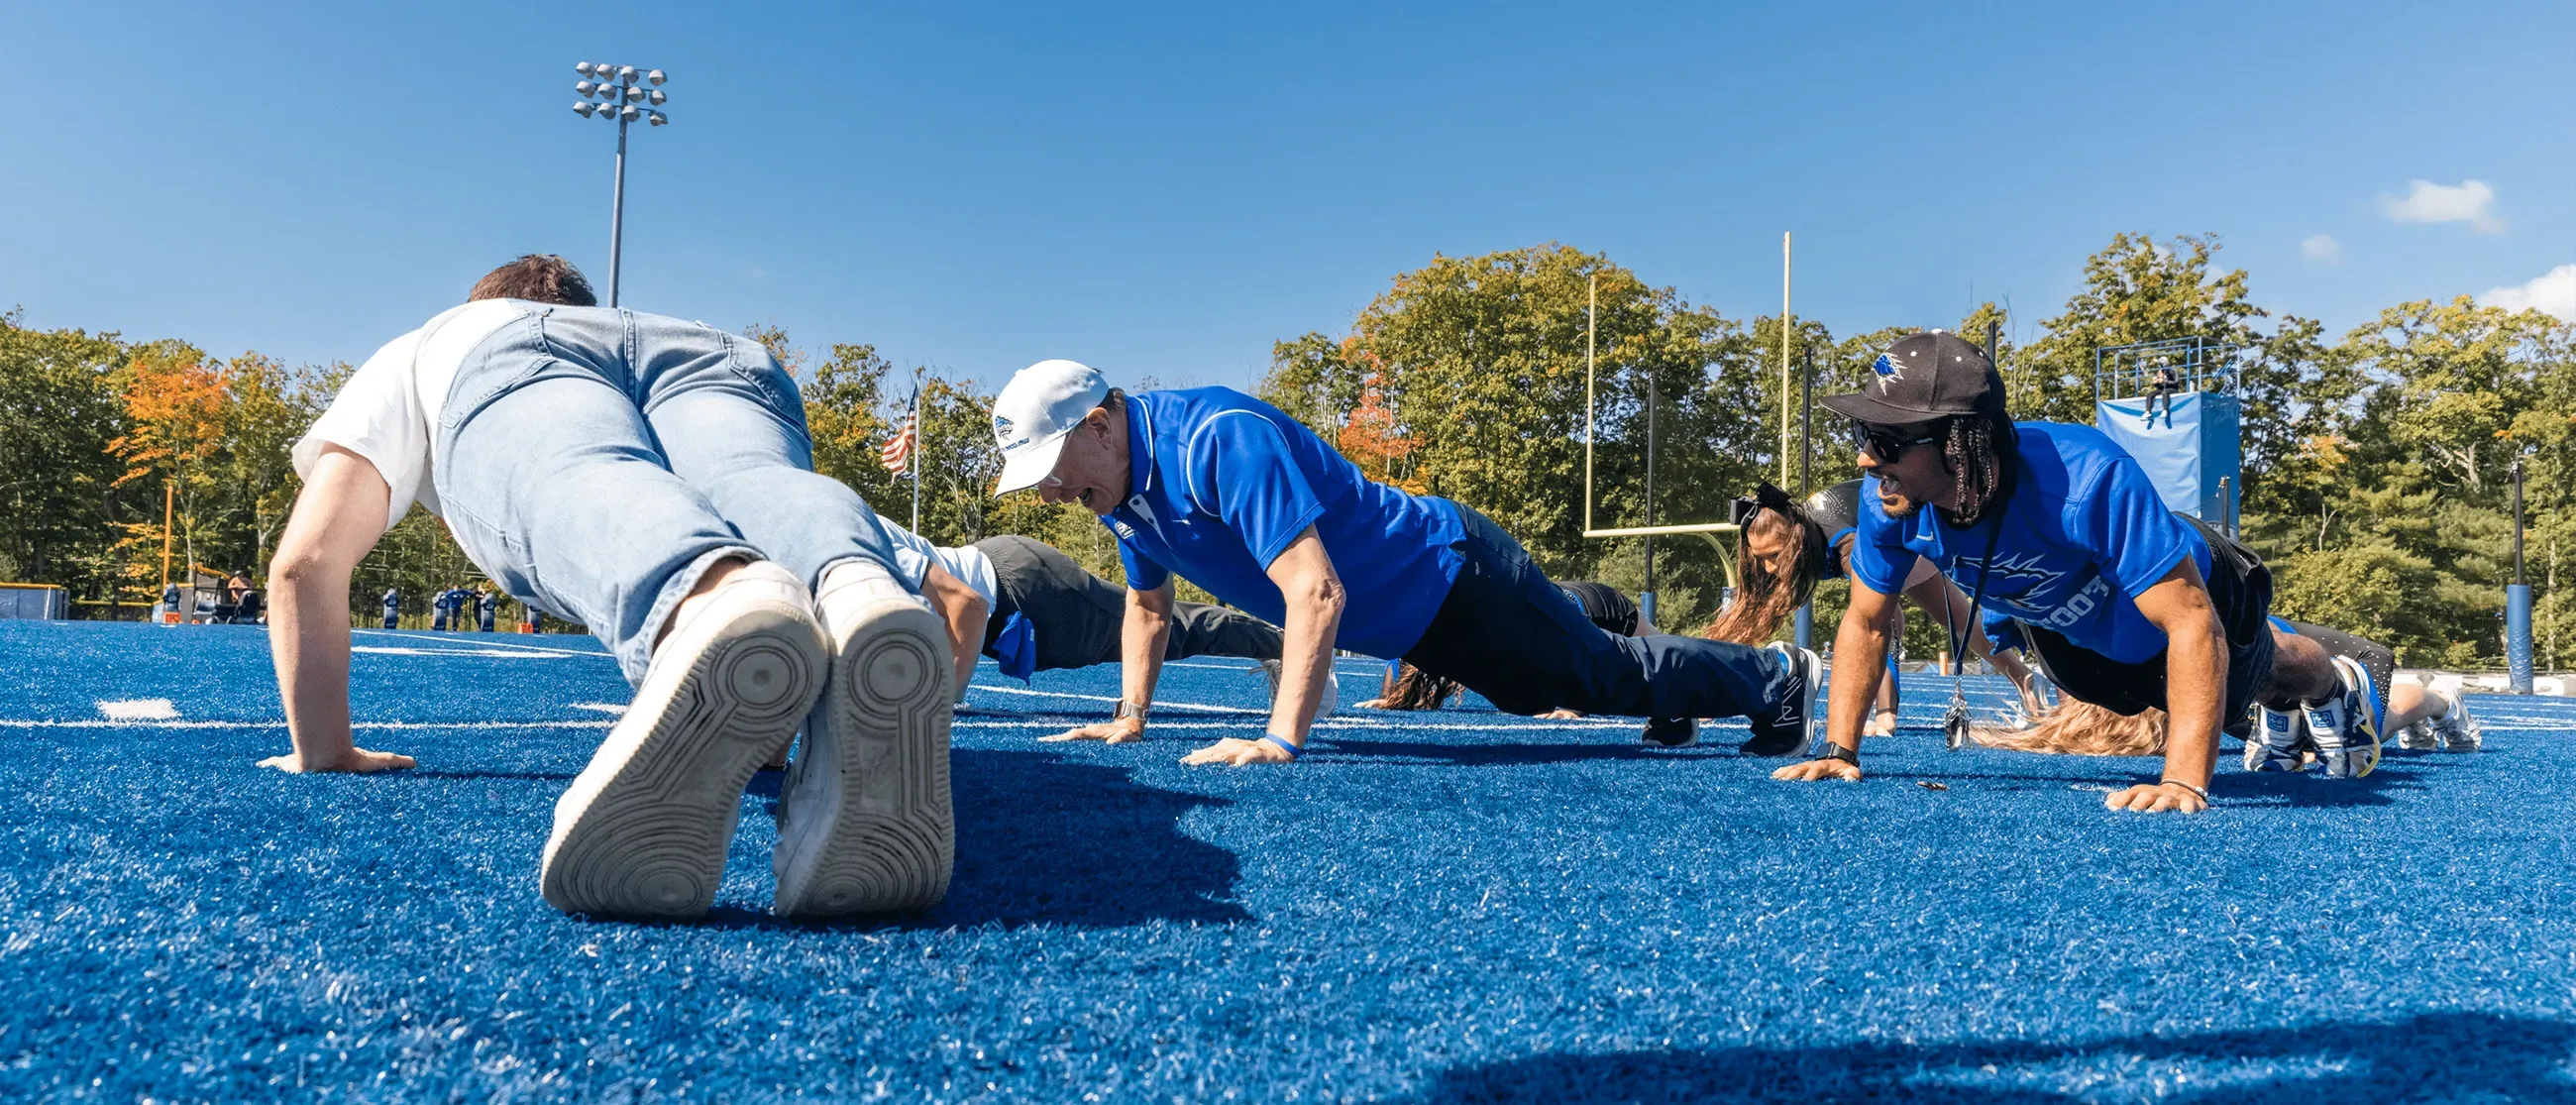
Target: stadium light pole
column 2517, row 604
column 623, row 94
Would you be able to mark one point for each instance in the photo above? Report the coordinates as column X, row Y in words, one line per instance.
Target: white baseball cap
column 1040, row 405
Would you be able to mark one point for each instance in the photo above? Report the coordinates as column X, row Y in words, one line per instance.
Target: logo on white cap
column 1040, row 405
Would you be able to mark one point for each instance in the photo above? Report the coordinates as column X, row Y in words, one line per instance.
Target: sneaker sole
column 867, row 823
column 1805, row 743
column 643, row 830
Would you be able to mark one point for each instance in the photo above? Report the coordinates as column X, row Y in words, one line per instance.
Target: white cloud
column 2321, row 247
column 2553, row 291
column 2469, row 201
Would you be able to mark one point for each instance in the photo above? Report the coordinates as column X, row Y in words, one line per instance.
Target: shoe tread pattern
column 649, row 841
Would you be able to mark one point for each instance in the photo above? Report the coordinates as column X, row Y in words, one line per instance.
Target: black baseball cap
column 1922, row 377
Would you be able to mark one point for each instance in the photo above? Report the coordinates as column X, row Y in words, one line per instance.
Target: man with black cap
column 2125, row 604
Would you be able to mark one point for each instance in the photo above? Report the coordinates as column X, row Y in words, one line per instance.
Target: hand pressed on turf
column 1818, row 770
column 358, row 761
column 2155, row 798
column 1238, row 753
column 1121, row 731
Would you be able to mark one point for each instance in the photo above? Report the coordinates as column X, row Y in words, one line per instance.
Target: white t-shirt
column 389, row 409
column 913, row 555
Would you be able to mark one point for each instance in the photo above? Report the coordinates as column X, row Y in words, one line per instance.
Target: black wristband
column 1837, row 752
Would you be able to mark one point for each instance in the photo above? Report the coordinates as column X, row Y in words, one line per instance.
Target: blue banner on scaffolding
column 2186, row 448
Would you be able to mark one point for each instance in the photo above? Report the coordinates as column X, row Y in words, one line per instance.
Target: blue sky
column 1164, row 191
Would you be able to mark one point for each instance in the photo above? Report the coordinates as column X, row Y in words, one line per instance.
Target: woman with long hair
column 1785, row 548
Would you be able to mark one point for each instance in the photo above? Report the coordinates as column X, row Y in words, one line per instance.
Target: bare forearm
column 1141, row 643
column 308, row 634
column 2195, row 685
column 1860, row 650
column 1305, row 662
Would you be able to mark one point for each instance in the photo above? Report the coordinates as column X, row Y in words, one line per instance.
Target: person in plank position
column 2124, row 604
column 651, row 477
column 1247, row 502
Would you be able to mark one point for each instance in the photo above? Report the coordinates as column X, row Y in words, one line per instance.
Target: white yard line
column 1158, row 704
column 508, row 654
column 405, row 635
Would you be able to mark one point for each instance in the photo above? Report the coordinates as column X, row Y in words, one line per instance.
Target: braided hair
column 1979, row 452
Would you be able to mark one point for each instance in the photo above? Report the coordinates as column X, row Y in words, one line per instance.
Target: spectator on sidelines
column 1248, row 503
column 393, row 606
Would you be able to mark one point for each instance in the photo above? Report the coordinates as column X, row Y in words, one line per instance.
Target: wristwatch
column 1837, row 752
column 1128, row 709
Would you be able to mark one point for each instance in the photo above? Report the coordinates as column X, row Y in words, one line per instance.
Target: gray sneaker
column 2458, row 731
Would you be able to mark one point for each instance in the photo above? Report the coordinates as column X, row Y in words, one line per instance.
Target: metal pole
column 1591, row 319
column 1806, row 455
column 617, row 212
column 916, row 454
column 1646, row 600
column 1787, row 322
column 2517, row 605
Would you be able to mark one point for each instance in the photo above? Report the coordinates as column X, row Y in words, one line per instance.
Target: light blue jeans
column 598, row 461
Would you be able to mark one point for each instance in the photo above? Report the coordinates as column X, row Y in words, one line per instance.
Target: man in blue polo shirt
column 2125, row 604
column 1248, row 503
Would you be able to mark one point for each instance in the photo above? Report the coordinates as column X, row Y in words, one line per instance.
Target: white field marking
column 401, row 635
column 600, row 707
column 507, row 654
column 1112, row 698
column 1324, row 727
column 139, row 709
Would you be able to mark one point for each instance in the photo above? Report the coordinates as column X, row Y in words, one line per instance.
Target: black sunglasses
column 1887, row 443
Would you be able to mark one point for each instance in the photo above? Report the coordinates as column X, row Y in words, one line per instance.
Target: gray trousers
column 1078, row 616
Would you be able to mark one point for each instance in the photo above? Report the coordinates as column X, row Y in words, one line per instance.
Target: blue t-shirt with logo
column 2082, row 535
column 1223, row 483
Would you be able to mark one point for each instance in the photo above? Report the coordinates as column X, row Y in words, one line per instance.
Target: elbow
column 1324, row 597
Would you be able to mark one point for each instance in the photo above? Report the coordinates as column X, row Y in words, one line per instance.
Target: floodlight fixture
column 619, row 88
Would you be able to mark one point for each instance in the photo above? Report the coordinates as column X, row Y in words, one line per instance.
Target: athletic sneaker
column 2279, row 743
column 2343, row 728
column 1331, row 701
column 2418, row 736
column 642, row 831
column 865, row 824
column 2459, row 732
column 1671, row 732
column 1789, row 728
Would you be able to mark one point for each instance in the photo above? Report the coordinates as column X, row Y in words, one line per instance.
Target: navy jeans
column 598, row 461
column 1508, row 633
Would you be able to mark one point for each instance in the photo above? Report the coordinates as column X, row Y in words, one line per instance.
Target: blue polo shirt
column 2082, row 536
column 1223, row 482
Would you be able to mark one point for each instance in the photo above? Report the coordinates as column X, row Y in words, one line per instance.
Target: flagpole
column 916, row 453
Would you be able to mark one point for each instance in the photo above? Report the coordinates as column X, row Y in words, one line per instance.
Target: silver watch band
column 1128, row 709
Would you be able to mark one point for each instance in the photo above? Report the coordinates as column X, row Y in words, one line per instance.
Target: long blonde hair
column 2075, row 728
column 1763, row 597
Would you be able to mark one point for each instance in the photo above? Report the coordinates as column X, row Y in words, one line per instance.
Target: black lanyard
column 1954, row 725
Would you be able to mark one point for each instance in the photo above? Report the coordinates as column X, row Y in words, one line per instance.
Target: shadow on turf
column 1044, row 839
column 1495, row 755
column 2435, row 1056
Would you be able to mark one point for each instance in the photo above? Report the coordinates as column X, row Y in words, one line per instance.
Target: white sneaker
column 642, row 831
column 2458, row 731
column 864, row 822
column 1324, row 707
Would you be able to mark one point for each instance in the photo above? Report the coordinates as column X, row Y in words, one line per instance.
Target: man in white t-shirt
column 651, row 478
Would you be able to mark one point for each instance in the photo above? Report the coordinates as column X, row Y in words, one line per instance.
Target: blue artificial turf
column 1451, row 907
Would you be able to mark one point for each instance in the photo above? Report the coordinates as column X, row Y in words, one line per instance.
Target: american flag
column 896, row 454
